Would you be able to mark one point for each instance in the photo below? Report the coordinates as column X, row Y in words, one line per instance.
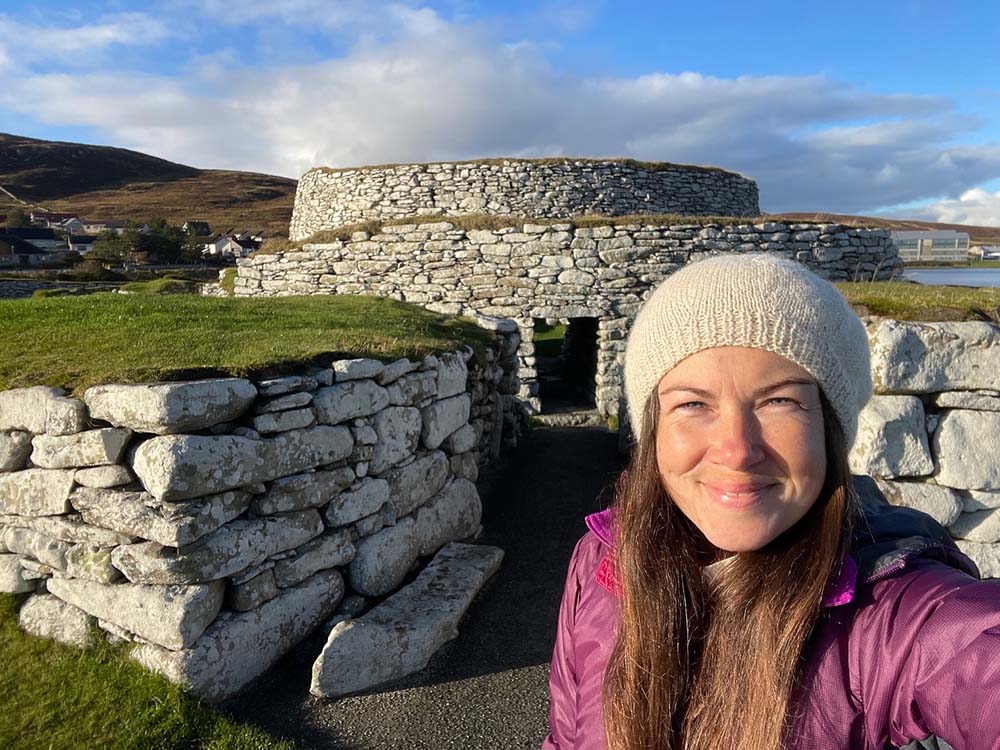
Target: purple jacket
column 906, row 653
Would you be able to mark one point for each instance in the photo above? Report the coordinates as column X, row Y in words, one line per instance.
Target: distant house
column 81, row 243
column 197, row 228
column 51, row 219
column 42, row 238
column 18, row 252
column 938, row 244
column 987, row 252
column 69, row 226
column 227, row 246
column 96, row 227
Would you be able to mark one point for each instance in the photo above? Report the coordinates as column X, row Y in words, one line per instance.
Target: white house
column 936, row 244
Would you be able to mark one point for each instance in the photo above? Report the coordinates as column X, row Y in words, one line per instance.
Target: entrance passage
column 566, row 359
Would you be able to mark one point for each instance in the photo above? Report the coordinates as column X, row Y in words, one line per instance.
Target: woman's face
column 740, row 444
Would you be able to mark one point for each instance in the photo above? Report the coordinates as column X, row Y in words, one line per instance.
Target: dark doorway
column 566, row 360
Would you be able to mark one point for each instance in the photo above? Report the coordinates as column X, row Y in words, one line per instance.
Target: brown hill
column 106, row 183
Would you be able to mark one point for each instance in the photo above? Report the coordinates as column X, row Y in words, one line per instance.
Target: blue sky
column 887, row 107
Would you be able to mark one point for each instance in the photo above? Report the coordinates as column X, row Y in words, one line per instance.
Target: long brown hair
column 703, row 668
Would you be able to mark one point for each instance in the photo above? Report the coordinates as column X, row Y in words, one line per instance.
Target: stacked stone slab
column 929, row 435
column 556, row 271
column 549, row 188
column 215, row 523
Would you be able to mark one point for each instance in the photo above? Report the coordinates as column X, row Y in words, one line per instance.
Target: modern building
column 937, row 244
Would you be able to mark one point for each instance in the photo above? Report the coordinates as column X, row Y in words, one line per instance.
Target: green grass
column 76, row 342
column 64, row 698
column 548, row 339
column 165, row 285
column 228, row 280
column 906, row 301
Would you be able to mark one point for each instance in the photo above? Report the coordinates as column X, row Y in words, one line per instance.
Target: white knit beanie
column 757, row 301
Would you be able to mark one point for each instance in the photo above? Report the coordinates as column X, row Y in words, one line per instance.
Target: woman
column 745, row 591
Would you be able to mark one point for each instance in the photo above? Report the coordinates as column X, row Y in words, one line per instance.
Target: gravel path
column 488, row 688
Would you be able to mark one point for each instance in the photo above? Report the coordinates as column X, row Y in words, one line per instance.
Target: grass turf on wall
column 76, row 342
column 56, row 696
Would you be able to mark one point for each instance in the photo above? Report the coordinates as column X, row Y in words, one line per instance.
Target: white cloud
column 29, row 43
column 442, row 90
column 977, row 207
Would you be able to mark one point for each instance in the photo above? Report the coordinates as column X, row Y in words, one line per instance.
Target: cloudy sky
column 858, row 107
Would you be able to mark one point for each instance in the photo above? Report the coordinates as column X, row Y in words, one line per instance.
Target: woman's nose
column 737, row 441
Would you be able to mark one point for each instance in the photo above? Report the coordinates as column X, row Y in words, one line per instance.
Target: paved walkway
column 489, row 688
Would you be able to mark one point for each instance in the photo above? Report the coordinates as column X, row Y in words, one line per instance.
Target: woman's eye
column 780, row 400
column 691, row 405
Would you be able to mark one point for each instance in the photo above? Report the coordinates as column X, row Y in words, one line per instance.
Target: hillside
column 102, row 182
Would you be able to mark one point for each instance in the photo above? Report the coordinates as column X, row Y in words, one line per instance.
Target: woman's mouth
column 737, row 497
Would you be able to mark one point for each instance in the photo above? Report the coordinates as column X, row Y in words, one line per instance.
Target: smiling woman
column 745, row 590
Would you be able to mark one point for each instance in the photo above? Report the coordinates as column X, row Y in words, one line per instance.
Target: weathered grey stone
column 15, row 447
column 297, row 492
column 176, row 467
column 37, row 546
column 12, row 580
column 41, row 409
column 977, row 400
column 452, row 514
column 413, row 388
column 103, row 477
column 215, row 666
column 383, row 559
column 943, row 504
column 452, row 373
column 412, row 485
column 332, row 481
column 47, row 616
column 891, row 439
column 350, row 607
column 965, row 446
column 361, row 501
column 326, row 551
column 91, row 563
column 36, row 571
column 36, row 492
column 69, row 528
column 465, row 465
column 283, row 403
column 929, row 357
column 461, row 440
column 985, row 556
column 399, row 636
column 133, row 514
column 89, row 448
column 283, row 421
column 442, row 418
column 344, row 401
column 168, row 408
column 384, row 516
column 394, row 370
column 250, row 594
column 287, row 384
column 228, row 550
column 978, row 526
column 171, row 616
column 356, row 369
column 974, row 500
column 398, row 429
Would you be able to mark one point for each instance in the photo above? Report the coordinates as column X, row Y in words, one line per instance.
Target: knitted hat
column 757, row 301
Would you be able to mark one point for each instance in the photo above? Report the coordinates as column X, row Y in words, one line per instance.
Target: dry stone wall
column 557, row 271
column 326, row 198
column 202, row 521
column 929, row 434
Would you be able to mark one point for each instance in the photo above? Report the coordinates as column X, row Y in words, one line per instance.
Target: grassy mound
column 905, row 301
column 76, row 342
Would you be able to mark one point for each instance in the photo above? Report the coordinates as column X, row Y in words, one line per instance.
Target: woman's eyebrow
column 760, row 391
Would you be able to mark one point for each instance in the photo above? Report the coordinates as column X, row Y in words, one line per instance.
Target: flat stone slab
column 232, row 548
column 985, row 556
column 399, row 636
column 36, row 492
column 88, row 448
column 15, row 447
column 69, row 528
column 166, row 408
column 104, row 476
column 36, row 546
column 965, row 444
column 453, row 514
column 977, row 400
column 356, row 503
column 349, row 400
column 47, row 616
column 978, row 526
column 238, row 647
column 328, row 550
column 135, row 514
column 171, row 616
column 412, row 485
column 943, row 504
column 355, row 369
column 382, row 560
column 398, row 429
column 178, row 467
column 41, row 409
column 12, row 580
column 931, row 357
column 444, row 417
column 452, row 373
column 892, row 439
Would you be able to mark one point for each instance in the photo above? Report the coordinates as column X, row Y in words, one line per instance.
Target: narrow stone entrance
column 566, row 359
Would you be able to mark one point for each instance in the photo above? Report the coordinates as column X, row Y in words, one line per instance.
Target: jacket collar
column 887, row 538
